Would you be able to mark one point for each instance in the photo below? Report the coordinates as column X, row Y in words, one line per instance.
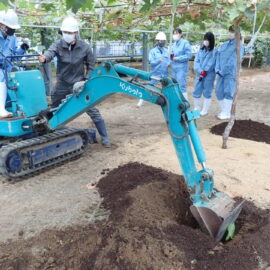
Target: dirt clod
column 149, row 227
column 245, row 129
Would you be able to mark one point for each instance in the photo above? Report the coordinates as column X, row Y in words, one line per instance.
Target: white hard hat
column 161, row 36
column 10, row 19
column 70, row 24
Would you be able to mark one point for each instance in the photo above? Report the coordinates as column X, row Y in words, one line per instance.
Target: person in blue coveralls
column 204, row 65
column 159, row 60
column 8, row 46
column 180, row 56
column 226, row 69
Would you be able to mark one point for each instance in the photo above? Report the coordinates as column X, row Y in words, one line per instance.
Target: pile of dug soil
column 149, row 227
column 245, row 129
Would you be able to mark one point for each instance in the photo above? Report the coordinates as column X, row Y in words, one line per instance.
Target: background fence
column 126, row 45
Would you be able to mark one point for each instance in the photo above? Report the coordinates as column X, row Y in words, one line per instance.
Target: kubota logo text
column 129, row 89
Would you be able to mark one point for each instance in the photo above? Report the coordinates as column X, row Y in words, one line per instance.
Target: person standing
column 159, row 60
column 8, row 46
column 204, row 65
column 180, row 55
column 226, row 69
column 73, row 56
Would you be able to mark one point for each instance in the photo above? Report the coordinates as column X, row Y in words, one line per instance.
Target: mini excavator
column 36, row 137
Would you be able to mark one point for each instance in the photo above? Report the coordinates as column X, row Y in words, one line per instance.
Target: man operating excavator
column 73, row 55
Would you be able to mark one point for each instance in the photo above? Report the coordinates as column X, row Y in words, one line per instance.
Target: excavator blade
column 215, row 216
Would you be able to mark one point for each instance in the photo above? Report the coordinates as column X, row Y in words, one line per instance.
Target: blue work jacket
column 205, row 60
column 158, row 68
column 226, row 62
column 182, row 52
column 8, row 46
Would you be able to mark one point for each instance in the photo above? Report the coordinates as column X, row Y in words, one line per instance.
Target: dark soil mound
column 245, row 129
column 150, row 227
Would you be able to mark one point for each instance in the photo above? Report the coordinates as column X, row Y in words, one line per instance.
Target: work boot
column 226, row 114
column 140, row 103
column 197, row 104
column 221, row 107
column 3, row 96
column 101, row 128
column 206, row 106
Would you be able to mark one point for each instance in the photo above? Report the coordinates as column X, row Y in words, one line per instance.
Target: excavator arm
column 36, row 138
column 213, row 210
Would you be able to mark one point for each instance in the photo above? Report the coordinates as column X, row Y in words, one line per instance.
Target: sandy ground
column 60, row 197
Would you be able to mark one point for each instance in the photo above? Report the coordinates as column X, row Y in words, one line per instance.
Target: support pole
column 145, row 52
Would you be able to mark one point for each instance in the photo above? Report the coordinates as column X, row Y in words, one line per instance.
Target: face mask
column 161, row 44
column 206, row 43
column 68, row 38
column 10, row 31
column 231, row 35
column 176, row 37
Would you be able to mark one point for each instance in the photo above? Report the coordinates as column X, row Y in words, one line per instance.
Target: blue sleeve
column 167, row 57
column 230, row 65
column 16, row 50
column 242, row 52
column 217, row 65
column 152, row 59
column 197, row 64
column 232, row 61
column 211, row 62
column 187, row 54
column 168, row 60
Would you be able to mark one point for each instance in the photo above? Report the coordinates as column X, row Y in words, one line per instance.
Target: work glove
column 42, row 58
column 78, row 86
column 202, row 75
column 25, row 46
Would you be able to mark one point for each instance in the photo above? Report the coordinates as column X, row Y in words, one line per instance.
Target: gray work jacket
column 71, row 63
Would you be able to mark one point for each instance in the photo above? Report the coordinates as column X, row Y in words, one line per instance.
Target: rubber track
column 45, row 139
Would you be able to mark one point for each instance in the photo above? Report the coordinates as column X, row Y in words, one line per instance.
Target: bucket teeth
column 215, row 216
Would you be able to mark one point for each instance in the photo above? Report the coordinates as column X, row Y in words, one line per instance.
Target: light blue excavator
column 36, row 137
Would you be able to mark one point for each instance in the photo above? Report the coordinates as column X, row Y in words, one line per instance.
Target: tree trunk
column 230, row 124
column 171, row 31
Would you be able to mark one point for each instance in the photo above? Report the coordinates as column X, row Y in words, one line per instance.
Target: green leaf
column 5, row 3
column 230, row 232
column 249, row 13
column 233, row 14
column 146, row 7
column 149, row 5
column 128, row 18
column 175, row 4
column 75, row 5
column 48, row 7
column 2, row 6
column 111, row 2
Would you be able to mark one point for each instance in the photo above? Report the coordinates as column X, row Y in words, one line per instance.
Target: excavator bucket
column 215, row 216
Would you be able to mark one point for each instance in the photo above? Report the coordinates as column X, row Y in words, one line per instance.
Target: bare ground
column 61, row 197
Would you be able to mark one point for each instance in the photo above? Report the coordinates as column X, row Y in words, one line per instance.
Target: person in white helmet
column 75, row 62
column 180, row 55
column 8, row 46
column 159, row 60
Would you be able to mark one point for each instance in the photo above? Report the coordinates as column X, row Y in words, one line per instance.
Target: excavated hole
column 149, row 227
